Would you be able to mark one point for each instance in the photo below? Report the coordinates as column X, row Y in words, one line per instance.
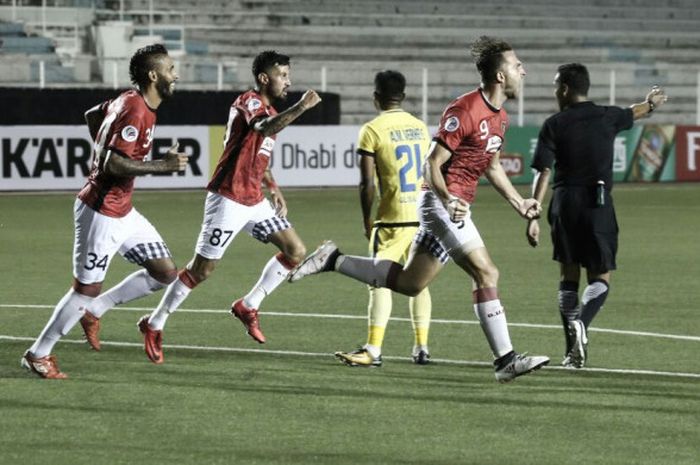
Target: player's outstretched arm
column 121, row 166
column 655, row 98
column 539, row 188
column 274, row 124
column 438, row 156
column 527, row 208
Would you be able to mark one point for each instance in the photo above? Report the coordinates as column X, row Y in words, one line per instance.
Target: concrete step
column 562, row 9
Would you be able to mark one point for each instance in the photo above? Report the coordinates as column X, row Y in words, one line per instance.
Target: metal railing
column 210, row 74
column 216, row 74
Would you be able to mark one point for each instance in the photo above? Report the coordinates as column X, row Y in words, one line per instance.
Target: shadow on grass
column 459, row 385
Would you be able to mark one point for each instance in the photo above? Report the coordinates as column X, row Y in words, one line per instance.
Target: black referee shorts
column 583, row 232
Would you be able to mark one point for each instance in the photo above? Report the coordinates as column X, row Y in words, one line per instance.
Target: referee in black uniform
column 579, row 142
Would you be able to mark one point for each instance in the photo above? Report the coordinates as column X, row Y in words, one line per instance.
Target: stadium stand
column 341, row 44
column 22, row 55
column 45, row 44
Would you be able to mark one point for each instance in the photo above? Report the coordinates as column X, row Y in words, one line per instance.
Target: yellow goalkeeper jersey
column 399, row 142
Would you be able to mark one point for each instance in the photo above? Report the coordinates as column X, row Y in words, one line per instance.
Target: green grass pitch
column 220, row 398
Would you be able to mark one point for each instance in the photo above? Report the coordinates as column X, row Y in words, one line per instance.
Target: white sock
column 492, row 317
column 374, row 351
column 593, row 290
column 272, row 276
column 134, row 286
column 417, row 348
column 368, row 270
column 173, row 297
column 67, row 313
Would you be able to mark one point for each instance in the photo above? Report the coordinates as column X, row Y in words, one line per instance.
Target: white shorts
column 99, row 237
column 439, row 234
column 224, row 219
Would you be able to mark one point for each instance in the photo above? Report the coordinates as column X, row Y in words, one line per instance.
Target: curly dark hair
column 266, row 60
column 488, row 56
column 144, row 60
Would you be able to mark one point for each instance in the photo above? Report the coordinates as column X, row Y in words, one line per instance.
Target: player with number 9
column 466, row 146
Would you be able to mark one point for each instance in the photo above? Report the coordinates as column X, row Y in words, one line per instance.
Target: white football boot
column 579, row 340
column 319, row 261
column 519, row 364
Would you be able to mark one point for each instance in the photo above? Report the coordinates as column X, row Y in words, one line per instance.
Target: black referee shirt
column 579, row 141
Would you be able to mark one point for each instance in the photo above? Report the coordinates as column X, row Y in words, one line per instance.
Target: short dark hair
column 143, row 61
column 488, row 56
column 576, row 78
column 389, row 85
column 266, row 60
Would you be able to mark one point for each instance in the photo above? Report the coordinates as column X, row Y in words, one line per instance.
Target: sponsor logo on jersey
column 494, row 144
column 452, row 124
column 130, row 133
column 266, row 147
column 254, row 104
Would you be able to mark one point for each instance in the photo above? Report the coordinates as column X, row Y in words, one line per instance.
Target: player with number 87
column 235, row 202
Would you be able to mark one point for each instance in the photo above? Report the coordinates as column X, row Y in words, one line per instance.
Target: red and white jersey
column 473, row 130
column 239, row 173
column 126, row 131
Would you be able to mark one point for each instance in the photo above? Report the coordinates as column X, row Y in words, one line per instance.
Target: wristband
column 652, row 107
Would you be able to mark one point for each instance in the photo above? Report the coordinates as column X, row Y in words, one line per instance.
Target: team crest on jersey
column 130, row 133
column 254, row 104
column 452, row 124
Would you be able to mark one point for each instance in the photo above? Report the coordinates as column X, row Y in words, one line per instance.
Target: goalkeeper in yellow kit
column 392, row 148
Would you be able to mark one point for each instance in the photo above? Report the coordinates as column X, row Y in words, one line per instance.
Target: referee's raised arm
column 655, row 98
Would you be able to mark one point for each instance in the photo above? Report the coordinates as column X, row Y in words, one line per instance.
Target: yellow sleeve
column 368, row 140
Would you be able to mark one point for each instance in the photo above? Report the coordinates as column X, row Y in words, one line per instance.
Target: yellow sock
column 379, row 311
column 375, row 336
column 421, row 308
column 421, row 336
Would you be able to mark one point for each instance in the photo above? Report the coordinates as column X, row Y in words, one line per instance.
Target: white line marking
column 364, row 317
column 322, row 354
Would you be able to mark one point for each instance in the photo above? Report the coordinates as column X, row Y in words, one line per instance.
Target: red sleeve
column 126, row 129
column 252, row 108
column 455, row 126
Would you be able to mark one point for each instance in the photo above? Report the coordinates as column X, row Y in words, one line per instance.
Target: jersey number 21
column 411, row 158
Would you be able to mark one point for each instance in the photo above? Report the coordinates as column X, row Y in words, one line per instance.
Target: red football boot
column 249, row 318
column 152, row 341
column 91, row 328
column 45, row 367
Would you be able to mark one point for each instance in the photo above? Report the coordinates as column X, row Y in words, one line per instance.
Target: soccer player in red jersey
column 105, row 220
column 235, row 202
column 466, row 146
